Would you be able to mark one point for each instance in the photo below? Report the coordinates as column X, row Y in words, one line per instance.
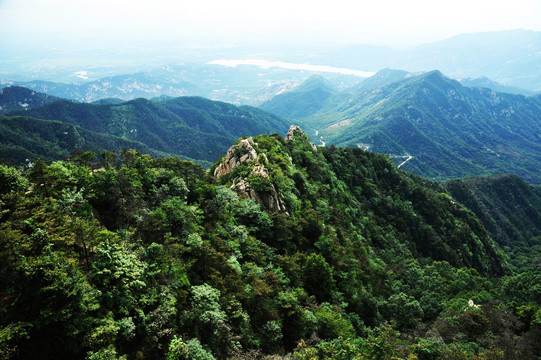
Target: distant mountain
column 144, row 84
column 250, row 85
column 512, row 58
column 303, row 100
column 192, row 127
column 484, row 82
column 435, row 127
column 107, row 101
column 21, row 98
column 382, row 77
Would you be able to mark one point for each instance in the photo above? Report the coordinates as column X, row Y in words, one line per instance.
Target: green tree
column 11, row 180
column 318, row 277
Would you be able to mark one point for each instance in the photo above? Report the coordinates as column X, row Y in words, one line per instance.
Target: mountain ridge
column 18, row 97
column 192, row 127
column 449, row 130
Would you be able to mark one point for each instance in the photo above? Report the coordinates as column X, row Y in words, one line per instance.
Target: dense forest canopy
column 128, row 256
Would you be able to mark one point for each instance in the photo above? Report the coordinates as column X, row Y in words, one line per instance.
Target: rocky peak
column 293, row 130
column 245, row 153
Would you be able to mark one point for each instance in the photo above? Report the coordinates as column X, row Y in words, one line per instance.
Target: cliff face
column 257, row 185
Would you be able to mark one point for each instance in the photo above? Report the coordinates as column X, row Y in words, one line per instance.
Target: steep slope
column 18, row 97
column 448, row 130
column 303, row 100
column 368, row 182
column 509, row 208
column 25, row 139
column 196, row 128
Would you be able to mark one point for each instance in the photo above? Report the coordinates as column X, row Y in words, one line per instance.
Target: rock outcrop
column 270, row 200
column 245, row 153
column 293, row 129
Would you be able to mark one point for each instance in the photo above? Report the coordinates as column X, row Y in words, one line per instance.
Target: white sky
column 136, row 22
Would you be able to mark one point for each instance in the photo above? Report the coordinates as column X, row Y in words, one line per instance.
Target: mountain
column 242, row 84
column 381, row 78
column 144, row 84
column 512, row 58
column 485, row 82
column 192, row 127
column 17, row 98
column 433, row 126
column 303, row 100
column 107, row 101
column 310, row 97
column 278, row 248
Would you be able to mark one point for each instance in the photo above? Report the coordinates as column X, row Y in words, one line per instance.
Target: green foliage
column 198, row 352
column 108, row 353
column 404, row 309
column 178, row 350
column 118, row 274
column 11, row 180
column 177, row 217
column 10, row 337
column 141, row 257
column 332, row 324
column 318, row 277
column 426, row 349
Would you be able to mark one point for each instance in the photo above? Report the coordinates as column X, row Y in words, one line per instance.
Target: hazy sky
column 101, row 22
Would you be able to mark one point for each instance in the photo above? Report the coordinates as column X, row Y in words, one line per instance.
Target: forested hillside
column 24, row 139
column 510, row 210
column 190, row 127
column 303, row 100
column 21, row 98
column 279, row 248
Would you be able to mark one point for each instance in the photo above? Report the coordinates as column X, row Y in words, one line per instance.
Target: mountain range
column 506, row 61
column 508, row 207
column 246, row 85
column 430, row 124
column 512, row 58
column 190, row 127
